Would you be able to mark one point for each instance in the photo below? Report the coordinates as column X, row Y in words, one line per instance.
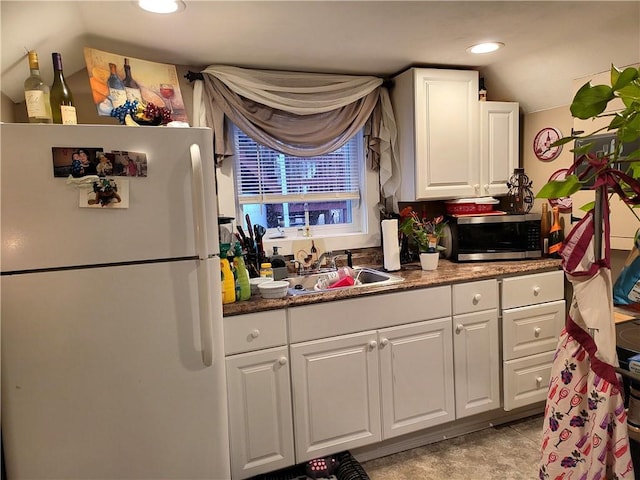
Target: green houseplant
column 590, row 102
column 424, row 232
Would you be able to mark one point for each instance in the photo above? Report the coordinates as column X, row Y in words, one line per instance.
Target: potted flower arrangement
column 426, row 235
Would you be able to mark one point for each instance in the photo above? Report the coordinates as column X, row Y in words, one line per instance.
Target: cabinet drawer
column 526, row 380
column 532, row 289
column 475, row 296
column 532, row 329
column 255, row 331
column 310, row 322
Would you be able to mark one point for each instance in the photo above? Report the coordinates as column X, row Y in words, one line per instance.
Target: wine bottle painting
column 149, row 83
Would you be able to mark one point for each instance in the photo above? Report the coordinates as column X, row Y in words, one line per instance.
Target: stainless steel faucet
column 328, row 255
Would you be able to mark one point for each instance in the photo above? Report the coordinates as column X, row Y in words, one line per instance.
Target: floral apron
column 585, row 429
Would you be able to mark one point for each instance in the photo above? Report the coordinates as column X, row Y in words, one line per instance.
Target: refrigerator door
column 102, row 374
column 44, row 227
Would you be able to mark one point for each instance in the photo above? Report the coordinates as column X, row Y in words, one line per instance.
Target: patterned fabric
column 585, row 425
column 585, row 431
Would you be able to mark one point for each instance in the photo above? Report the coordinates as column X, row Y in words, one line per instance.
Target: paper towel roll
column 390, row 245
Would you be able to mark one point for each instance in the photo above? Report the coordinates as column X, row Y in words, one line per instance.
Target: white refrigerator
column 112, row 346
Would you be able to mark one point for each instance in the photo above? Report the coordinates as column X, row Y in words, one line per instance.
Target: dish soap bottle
column 279, row 265
column 228, row 281
column 243, row 292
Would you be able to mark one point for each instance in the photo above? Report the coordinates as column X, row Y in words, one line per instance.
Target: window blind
column 266, row 176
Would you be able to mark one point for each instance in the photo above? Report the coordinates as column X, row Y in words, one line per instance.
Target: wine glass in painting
column 167, row 92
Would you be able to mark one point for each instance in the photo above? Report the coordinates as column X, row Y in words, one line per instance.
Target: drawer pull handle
column 476, row 298
column 537, row 331
column 536, row 290
column 539, row 382
column 373, row 344
column 459, row 328
column 384, row 342
column 282, row 360
column 255, row 333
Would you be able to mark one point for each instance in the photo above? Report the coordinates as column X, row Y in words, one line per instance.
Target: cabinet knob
column 255, row 333
column 459, row 328
column 476, row 187
column 476, row 298
column 539, row 382
column 384, row 342
column 373, row 344
column 536, row 290
column 486, row 188
column 537, row 331
column 282, row 360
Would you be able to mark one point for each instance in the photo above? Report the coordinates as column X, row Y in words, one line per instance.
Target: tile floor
column 506, row 452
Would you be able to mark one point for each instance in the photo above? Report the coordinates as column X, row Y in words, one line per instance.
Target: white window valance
column 302, row 114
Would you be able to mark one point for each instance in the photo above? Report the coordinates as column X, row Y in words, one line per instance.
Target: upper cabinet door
column 438, row 133
column 499, row 137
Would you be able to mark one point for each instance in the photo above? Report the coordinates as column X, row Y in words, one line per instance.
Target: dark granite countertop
column 447, row 273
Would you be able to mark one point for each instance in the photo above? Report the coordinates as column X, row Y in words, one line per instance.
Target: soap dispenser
column 279, row 265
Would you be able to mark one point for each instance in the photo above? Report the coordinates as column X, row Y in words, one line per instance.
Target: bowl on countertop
column 254, row 282
column 273, row 289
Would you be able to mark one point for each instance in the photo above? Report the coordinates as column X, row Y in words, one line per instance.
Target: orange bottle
column 556, row 236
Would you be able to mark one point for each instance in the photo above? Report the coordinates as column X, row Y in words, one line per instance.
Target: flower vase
column 429, row 261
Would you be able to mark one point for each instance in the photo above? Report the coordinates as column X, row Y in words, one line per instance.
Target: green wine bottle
column 63, row 109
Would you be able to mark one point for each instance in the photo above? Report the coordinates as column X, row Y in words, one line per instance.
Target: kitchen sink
column 364, row 276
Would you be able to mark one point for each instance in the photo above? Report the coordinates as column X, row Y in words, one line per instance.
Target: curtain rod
column 193, row 76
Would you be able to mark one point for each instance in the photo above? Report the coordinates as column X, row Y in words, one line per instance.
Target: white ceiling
column 548, row 44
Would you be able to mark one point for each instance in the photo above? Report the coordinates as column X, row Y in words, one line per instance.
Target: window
column 279, row 191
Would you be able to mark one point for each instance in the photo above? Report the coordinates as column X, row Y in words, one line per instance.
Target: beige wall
column 539, row 172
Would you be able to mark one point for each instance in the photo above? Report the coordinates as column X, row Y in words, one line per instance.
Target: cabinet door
column 476, row 362
column 499, row 133
column 446, row 133
column 260, row 423
column 416, row 375
column 335, row 394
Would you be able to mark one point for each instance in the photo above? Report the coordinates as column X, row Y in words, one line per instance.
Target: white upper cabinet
column 437, row 117
column 450, row 144
column 499, row 145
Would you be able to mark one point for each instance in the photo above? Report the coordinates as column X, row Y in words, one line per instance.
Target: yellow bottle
column 228, row 280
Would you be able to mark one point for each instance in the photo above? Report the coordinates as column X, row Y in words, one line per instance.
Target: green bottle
column 242, row 275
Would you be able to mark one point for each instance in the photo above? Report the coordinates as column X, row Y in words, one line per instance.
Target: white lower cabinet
column 346, row 386
column 350, row 373
column 336, row 395
column 259, row 394
column 416, row 375
column 532, row 318
column 476, row 348
column 360, row 388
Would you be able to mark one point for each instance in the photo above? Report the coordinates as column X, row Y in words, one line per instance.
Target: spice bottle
column 266, row 270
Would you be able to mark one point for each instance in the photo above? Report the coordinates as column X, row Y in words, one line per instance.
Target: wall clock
column 541, row 144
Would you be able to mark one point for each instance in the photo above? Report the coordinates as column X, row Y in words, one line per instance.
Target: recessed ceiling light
column 485, row 47
column 161, row 6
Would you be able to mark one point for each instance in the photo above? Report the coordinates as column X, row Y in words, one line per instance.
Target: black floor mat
column 349, row 469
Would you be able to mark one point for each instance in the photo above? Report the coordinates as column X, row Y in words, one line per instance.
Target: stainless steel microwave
column 492, row 237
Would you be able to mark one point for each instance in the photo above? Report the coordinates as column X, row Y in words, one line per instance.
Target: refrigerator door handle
column 204, row 277
column 197, row 193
